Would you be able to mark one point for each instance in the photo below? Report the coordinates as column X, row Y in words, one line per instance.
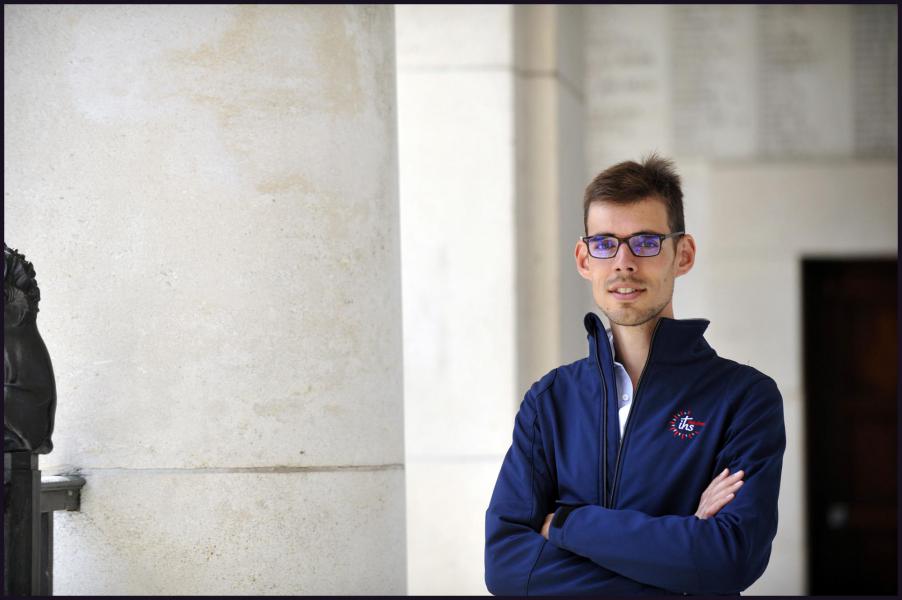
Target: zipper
column 604, row 424
column 629, row 418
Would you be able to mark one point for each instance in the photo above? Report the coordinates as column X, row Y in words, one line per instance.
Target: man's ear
column 581, row 254
column 685, row 254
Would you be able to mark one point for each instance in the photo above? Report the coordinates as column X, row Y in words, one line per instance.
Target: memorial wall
column 744, row 82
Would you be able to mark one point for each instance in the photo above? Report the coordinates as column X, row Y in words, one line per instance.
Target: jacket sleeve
column 723, row 554
column 518, row 559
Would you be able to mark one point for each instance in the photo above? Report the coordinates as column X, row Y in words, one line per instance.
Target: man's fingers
column 733, row 486
column 730, row 485
column 722, row 496
column 713, row 507
column 724, row 477
column 716, row 483
column 725, row 496
column 737, row 475
column 719, row 492
column 727, row 482
column 723, row 502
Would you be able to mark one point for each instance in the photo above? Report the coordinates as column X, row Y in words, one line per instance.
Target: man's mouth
column 625, row 292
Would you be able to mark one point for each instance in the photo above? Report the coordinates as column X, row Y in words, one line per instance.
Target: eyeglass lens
column 641, row 245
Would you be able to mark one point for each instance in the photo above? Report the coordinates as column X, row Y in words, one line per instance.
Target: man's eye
column 606, row 243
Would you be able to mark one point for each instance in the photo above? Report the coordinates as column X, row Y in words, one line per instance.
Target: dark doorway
column 850, row 350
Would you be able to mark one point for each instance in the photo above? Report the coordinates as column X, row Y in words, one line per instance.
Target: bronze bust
column 29, row 388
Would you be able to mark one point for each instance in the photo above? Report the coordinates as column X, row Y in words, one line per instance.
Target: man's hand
column 547, row 525
column 719, row 492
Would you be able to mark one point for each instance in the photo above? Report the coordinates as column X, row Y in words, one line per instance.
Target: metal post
column 24, row 524
column 7, row 475
column 58, row 492
column 47, row 553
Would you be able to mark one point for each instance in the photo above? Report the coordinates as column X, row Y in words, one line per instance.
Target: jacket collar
column 674, row 341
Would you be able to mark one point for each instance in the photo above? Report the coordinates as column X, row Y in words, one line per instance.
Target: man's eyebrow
column 607, row 233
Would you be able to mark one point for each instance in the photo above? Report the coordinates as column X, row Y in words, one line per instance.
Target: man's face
column 652, row 276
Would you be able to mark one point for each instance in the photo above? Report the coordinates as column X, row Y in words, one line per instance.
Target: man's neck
column 631, row 346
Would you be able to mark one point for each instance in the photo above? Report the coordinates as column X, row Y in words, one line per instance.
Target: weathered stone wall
column 209, row 196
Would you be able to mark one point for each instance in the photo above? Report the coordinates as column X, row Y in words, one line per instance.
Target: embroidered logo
column 684, row 426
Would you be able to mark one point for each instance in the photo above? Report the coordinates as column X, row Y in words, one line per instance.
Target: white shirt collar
column 611, row 343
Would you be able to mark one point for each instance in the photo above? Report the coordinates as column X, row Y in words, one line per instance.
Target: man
column 653, row 465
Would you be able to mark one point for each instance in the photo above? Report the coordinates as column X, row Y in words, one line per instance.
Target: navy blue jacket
column 624, row 512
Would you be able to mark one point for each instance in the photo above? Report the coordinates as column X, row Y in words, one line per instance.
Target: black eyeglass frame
column 661, row 237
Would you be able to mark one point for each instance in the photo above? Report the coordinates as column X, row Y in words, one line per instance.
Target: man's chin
column 630, row 317
column 629, row 322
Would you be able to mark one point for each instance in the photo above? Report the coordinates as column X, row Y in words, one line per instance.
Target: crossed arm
column 719, row 492
column 722, row 548
column 585, row 577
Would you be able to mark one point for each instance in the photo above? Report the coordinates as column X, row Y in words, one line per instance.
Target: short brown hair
column 629, row 182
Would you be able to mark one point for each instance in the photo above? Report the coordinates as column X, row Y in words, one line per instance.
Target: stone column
column 491, row 155
column 550, row 108
column 210, row 193
column 456, row 149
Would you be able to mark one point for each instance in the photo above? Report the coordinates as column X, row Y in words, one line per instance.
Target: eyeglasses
column 641, row 244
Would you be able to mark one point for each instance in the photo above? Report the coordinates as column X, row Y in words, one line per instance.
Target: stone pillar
column 552, row 298
column 211, row 195
column 491, row 155
column 456, row 152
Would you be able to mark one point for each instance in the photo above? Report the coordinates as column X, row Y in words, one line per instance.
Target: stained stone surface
column 221, row 533
column 214, row 220
column 209, row 195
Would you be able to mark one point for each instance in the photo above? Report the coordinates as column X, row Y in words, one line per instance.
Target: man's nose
column 624, row 260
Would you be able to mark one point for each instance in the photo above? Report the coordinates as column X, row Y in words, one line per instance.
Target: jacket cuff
column 556, row 530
